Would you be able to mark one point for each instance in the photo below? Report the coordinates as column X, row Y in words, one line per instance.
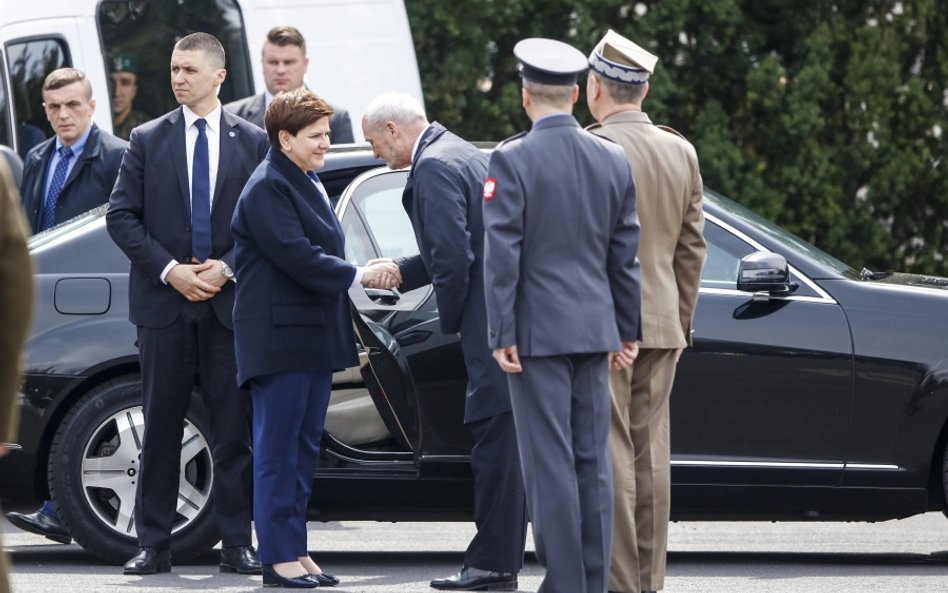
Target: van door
column 35, row 48
column 416, row 374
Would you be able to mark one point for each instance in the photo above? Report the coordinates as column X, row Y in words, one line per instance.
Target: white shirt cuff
column 358, row 277
column 167, row 269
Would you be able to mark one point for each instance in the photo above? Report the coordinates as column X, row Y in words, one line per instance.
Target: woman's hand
column 381, row 274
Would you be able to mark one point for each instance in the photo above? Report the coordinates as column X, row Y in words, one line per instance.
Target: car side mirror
column 764, row 271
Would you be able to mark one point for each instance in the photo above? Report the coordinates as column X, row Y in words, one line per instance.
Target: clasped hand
column 197, row 281
column 381, row 273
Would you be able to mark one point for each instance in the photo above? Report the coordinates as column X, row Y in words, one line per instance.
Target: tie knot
column 201, row 124
column 65, row 152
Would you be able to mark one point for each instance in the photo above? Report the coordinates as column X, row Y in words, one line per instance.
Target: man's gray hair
column 621, row 92
column 400, row 108
column 549, row 94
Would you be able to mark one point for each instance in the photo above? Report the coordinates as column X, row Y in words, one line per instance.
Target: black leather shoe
column 240, row 559
column 149, row 561
column 324, row 579
column 40, row 523
column 272, row 579
column 475, row 579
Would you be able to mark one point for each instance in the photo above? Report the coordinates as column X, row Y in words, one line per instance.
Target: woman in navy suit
column 292, row 326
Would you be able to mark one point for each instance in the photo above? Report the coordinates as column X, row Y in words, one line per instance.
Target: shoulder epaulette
column 671, row 131
column 514, row 137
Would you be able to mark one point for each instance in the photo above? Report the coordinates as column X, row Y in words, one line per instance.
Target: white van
column 357, row 49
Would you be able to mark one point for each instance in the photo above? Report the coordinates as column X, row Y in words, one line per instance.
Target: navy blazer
column 292, row 306
column 89, row 183
column 149, row 214
column 254, row 107
column 562, row 233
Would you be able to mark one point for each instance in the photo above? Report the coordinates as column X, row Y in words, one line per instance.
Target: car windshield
column 778, row 234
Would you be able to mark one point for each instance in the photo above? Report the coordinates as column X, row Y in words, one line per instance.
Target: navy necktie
column 48, row 218
column 201, row 196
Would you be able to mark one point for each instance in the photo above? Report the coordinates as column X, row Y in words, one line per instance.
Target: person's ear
column 284, row 137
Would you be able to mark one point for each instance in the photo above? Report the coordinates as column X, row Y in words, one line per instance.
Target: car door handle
column 382, row 296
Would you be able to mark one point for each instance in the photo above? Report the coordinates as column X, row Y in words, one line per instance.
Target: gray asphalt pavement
column 904, row 556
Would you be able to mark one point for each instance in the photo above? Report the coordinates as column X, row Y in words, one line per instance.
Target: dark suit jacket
column 292, row 306
column 443, row 199
column 562, row 234
column 149, row 214
column 253, row 108
column 89, row 183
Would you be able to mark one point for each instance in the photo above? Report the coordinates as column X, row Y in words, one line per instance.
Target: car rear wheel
column 95, row 459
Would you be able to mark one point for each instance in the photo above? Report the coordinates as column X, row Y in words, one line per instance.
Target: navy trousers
column 289, row 410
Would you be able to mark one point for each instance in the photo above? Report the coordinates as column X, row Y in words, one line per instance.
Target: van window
column 29, row 62
column 138, row 38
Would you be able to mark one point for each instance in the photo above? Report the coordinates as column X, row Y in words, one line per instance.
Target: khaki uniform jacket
column 671, row 247
column 16, row 299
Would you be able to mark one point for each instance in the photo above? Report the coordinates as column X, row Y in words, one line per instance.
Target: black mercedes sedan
column 813, row 391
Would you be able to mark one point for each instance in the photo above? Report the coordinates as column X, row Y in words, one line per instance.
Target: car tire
column 93, row 469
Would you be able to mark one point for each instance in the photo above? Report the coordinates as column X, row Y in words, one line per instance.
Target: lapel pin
column 232, row 134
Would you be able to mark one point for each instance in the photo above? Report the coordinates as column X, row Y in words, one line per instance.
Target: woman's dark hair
column 292, row 111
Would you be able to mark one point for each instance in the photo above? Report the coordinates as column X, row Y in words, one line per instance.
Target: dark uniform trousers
column 561, row 410
column 195, row 344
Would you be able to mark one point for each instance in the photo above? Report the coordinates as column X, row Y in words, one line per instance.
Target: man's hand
column 381, row 274
column 625, row 357
column 213, row 275
column 508, row 359
column 186, row 279
column 3, row 450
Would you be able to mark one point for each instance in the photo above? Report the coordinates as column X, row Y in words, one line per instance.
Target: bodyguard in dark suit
column 292, row 326
column 563, row 293
column 284, row 68
column 443, row 199
column 73, row 171
column 170, row 213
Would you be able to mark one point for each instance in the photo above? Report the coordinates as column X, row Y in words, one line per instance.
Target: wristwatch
column 225, row 269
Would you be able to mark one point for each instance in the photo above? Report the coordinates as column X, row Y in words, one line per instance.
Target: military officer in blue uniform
column 562, row 292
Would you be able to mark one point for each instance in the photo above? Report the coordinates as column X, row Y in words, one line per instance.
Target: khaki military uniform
column 16, row 301
column 671, row 252
column 131, row 121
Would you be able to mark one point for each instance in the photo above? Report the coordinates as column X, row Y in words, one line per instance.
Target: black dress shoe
column 240, row 559
column 272, row 579
column 324, row 579
column 40, row 523
column 149, row 561
column 475, row 579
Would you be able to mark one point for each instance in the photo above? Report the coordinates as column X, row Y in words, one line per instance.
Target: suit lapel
column 229, row 135
column 176, row 145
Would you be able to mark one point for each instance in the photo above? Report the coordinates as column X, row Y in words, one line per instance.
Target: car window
column 723, row 257
column 29, row 62
column 137, row 37
column 390, row 225
column 6, row 137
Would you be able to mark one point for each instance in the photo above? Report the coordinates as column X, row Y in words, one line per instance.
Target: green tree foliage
column 826, row 116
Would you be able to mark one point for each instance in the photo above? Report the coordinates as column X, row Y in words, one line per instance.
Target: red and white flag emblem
column 490, row 187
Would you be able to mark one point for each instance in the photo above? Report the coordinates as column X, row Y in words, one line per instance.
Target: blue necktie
column 48, row 218
column 201, row 196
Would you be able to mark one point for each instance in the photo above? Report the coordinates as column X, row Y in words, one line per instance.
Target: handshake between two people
column 381, row 273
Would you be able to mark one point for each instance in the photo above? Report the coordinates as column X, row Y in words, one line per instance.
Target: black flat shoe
column 40, row 523
column 272, row 579
column 240, row 559
column 324, row 579
column 149, row 561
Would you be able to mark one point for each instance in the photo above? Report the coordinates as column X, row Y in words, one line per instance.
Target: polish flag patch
column 490, row 189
